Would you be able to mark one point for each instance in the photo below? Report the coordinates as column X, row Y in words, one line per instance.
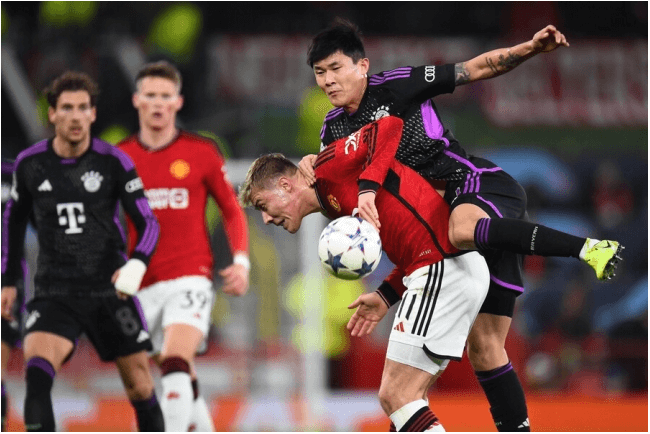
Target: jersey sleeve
column 14, row 225
column 392, row 288
column 417, row 84
column 135, row 204
column 219, row 186
column 382, row 138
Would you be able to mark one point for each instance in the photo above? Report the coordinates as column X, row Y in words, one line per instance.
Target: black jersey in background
column 75, row 205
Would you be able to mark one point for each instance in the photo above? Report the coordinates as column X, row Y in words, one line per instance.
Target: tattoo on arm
column 504, row 63
column 462, row 74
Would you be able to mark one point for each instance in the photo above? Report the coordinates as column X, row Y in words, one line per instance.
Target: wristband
column 130, row 277
column 242, row 259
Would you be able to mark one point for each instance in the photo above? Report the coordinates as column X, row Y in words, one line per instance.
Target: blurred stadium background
column 571, row 126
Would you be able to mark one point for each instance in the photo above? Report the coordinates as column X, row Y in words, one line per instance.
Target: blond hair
column 262, row 172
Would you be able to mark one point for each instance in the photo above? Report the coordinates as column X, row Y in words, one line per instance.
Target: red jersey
column 177, row 180
column 414, row 217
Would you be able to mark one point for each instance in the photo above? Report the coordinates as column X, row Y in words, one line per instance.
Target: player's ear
column 51, row 113
column 179, row 102
column 285, row 184
column 363, row 66
column 135, row 100
column 93, row 114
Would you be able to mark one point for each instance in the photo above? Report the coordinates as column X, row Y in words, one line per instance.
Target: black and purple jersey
column 426, row 145
column 75, row 206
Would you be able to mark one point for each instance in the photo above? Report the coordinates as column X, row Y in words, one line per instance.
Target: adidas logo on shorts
column 143, row 336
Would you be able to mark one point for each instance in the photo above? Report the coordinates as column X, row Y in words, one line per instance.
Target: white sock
column 201, row 418
column 401, row 416
column 176, row 402
column 588, row 245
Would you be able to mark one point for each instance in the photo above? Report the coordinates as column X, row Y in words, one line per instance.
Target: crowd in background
column 578, row 333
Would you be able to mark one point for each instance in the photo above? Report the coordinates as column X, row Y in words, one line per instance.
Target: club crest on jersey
column 92, row 181
column 179, row 169
column 334, row 203
column 381, row 112
column 352, row 140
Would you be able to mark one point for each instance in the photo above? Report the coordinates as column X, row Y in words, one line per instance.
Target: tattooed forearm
column 504, row 63
column 462, row 74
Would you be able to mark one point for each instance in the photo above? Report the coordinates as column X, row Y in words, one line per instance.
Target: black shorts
column 115, row 327
column 500, row 196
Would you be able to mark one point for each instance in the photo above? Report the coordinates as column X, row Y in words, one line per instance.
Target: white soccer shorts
column 186, row 300
column 437, row 311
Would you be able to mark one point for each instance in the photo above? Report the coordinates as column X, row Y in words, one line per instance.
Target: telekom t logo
column 68, row 217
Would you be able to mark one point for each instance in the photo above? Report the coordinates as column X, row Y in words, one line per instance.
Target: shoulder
column 387, row 77
column 104, row 148
column 128, row 143
column 201, row 145
column 34, row 150
column 334, row 114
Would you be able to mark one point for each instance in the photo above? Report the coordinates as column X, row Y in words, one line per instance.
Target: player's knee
column 484, row 351
column 385, row 400
column 140, row 390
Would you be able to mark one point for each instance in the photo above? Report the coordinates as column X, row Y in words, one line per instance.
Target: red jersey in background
column 178, row 179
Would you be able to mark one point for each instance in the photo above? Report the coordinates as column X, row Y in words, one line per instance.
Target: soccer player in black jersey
column 73, row 185
column 488, row 207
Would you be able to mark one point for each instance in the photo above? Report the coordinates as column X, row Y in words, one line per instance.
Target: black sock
column 149, row 414
column 38, row 413
column 195, row 388
column 506, row 397
column 520, row 236
column 4, row 407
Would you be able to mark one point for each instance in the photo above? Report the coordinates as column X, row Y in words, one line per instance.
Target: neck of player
column 66, row 149
column 157, row 138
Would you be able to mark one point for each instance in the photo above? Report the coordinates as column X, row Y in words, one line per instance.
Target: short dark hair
column 264, row 170
column 342, row 35
column 162, row 69
column 71, row 81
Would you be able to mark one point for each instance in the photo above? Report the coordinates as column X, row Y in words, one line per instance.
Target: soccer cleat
column 602, row 256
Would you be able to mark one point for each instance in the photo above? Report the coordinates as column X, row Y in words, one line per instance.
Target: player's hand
column 306, row 167
column 370, row 310
column 9, row 294
column 235, row 280
column 548, row 39
column 368, row 210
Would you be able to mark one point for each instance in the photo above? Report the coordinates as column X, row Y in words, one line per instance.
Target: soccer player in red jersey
column 179, row 170
column 441, row 288
column 488, row 206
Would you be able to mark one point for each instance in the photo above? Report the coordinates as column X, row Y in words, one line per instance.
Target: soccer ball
column 349, row 248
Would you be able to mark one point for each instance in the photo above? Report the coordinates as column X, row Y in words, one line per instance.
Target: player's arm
column 236, row 276
column 14, row 220
column 382, row 139
column 502, row 60
column 127, row 279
